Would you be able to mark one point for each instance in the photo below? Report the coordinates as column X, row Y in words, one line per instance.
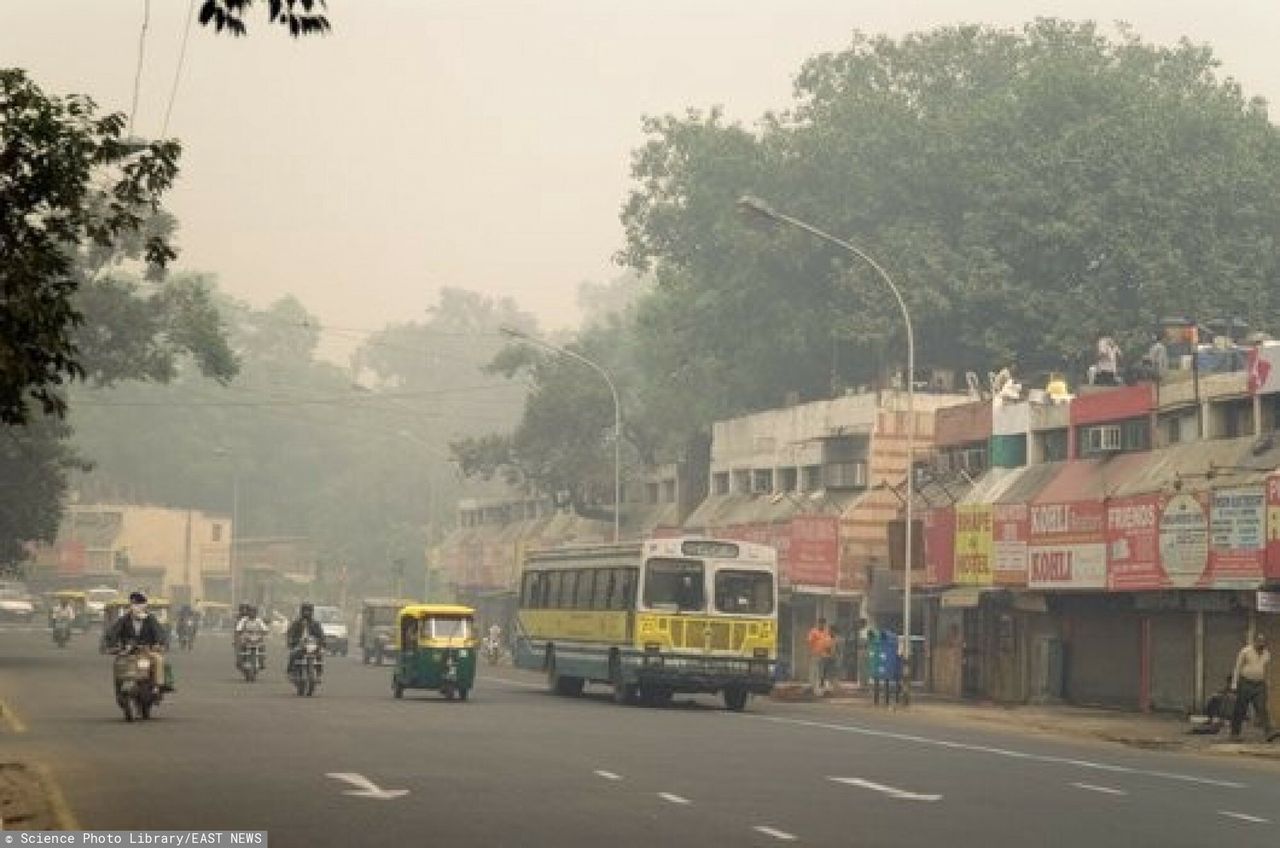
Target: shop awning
column 966, row 597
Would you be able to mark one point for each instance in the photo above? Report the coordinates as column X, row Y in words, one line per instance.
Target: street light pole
column 235, row 519
column 513, row 333
column 759, row 208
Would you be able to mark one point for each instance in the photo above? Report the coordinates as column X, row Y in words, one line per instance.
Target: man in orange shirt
column 819, row 649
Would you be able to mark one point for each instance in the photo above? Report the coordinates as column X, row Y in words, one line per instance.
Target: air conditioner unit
column 1102, row 439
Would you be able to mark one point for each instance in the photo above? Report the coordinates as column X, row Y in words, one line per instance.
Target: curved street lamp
column 759, row 209
column 520, row 336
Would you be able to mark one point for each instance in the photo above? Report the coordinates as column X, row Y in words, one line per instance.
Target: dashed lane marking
column 507, row 680
column 775, row 833
column 999, row 752
column 674, row 799
column 1106, row 790
column 608, row 775
column 1244, row 817
column 892, row 792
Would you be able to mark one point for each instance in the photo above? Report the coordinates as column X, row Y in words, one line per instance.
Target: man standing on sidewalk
column 1249, row 681
column 819, row 649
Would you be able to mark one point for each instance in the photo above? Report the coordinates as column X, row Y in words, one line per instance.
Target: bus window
column 544, row 590
column 554, row 589
column 675, row 584
column 529, row 590
column 626, row 596
column 568, row 591
column 586, row 590
column 744, row 592
column 604, row 588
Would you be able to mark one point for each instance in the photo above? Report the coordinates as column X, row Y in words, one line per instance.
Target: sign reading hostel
column 1067, row 547
column 973, row 545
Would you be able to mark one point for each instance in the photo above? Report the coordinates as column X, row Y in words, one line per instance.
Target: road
column 516, row 766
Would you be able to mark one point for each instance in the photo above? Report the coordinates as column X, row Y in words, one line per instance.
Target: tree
column 1030, row 190
column 299, row 16
column 52, row 151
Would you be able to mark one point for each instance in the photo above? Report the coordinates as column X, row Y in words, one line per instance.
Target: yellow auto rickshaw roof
column 68, row 594
column 423, row 610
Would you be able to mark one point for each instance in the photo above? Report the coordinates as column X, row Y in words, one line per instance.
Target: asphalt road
column 516, row 766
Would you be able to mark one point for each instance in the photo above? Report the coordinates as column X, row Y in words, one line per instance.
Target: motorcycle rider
column 140, row 627
column 187, row 622
column 304, row 625
column 251, row 622
column 495, row 639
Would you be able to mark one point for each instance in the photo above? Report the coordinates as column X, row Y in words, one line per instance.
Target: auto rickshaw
column 378, row 628
column 159, row 607
column 78, row 603
column 437, row 650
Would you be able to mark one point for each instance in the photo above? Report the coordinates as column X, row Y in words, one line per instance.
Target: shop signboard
column 1184, row 539
column 939, row 546
column 1010, row 529
column 1067, row 548
column 813, row 550
column 973, row 545
column 1237, row 538
column 1272, row 569
column 1133, row 544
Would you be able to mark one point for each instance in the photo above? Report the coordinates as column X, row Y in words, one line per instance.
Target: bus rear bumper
column 754, row 676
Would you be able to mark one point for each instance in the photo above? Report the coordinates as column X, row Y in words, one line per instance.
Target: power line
column 177, row 74
column 142, row 49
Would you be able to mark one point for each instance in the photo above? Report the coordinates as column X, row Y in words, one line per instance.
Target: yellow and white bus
column 651, row 618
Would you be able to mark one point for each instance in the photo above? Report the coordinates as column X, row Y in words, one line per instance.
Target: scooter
column 492, row 651
column 252, row 657
column 61, row 632
column 307, row 666
column 186, row 636
column 137, row 693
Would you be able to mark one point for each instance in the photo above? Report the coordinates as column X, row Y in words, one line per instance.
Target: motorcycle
column 186, row 635
column 136, row 691
column 307, row 665
column 61, row 632
column 252, row 656
column 492, row 651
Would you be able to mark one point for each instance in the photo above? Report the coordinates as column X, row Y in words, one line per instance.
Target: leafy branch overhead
column 68, row 180
column 301, row 17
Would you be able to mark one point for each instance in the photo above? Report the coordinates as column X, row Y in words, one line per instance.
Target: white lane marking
column 524, row 683
column 892, row 792
column 365, row 788
column 608, row 775
column 1106, row 790
column 999, row 752
column 1244, row 817
column 675, row 799
column 775, row 833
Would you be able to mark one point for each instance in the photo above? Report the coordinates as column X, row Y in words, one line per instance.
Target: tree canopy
column 300, row 17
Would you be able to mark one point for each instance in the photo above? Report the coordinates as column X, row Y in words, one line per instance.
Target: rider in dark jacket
column 305, row 624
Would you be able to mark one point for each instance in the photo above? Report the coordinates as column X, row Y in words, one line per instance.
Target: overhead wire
column 142, row 51
column 177, row 74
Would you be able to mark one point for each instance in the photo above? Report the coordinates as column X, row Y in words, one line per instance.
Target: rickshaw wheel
column 397, row 689
column 449, row 693
column 463, row 693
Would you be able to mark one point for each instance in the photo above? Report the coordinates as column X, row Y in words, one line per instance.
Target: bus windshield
column 744, row 592
column 675, row 584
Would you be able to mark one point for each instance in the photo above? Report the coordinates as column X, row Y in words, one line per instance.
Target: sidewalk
column 1157, row 731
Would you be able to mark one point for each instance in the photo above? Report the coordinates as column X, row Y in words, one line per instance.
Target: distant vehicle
column 16, row 605
column 96, row 599
column 335, row 630
column 652, row 618
column 378, row 622
column 279, row 624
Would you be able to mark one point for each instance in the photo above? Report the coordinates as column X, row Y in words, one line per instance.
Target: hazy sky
column 476, row 143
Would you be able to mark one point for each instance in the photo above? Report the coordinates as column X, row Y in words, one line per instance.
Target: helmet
column 251, row 611
column 307, row 609
column 137, row 598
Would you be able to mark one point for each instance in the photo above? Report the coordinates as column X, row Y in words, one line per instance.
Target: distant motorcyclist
column 188, row 621
column 64, row 613
column 250, row 624
column 141, row 628
column 304, row 625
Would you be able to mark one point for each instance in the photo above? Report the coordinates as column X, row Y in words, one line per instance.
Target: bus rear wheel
column 735, row 699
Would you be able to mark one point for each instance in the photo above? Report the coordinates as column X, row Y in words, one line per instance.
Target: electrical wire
column 142, row 50
column 177, row 74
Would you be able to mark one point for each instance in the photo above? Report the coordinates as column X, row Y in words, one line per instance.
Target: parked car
column 334, row 626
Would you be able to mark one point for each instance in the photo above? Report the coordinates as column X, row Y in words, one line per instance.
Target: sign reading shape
column 366, row 788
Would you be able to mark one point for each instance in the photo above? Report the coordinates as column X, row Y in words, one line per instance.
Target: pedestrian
column 819, row 642
column 830, row 662
column 1249, row 682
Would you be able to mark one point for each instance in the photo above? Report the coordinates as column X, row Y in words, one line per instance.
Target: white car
column 16, row 606
column 335, row 630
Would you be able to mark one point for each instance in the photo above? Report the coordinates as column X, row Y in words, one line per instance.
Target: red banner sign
column 1010, row 533
column 939, row 546
column 1133, row 544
